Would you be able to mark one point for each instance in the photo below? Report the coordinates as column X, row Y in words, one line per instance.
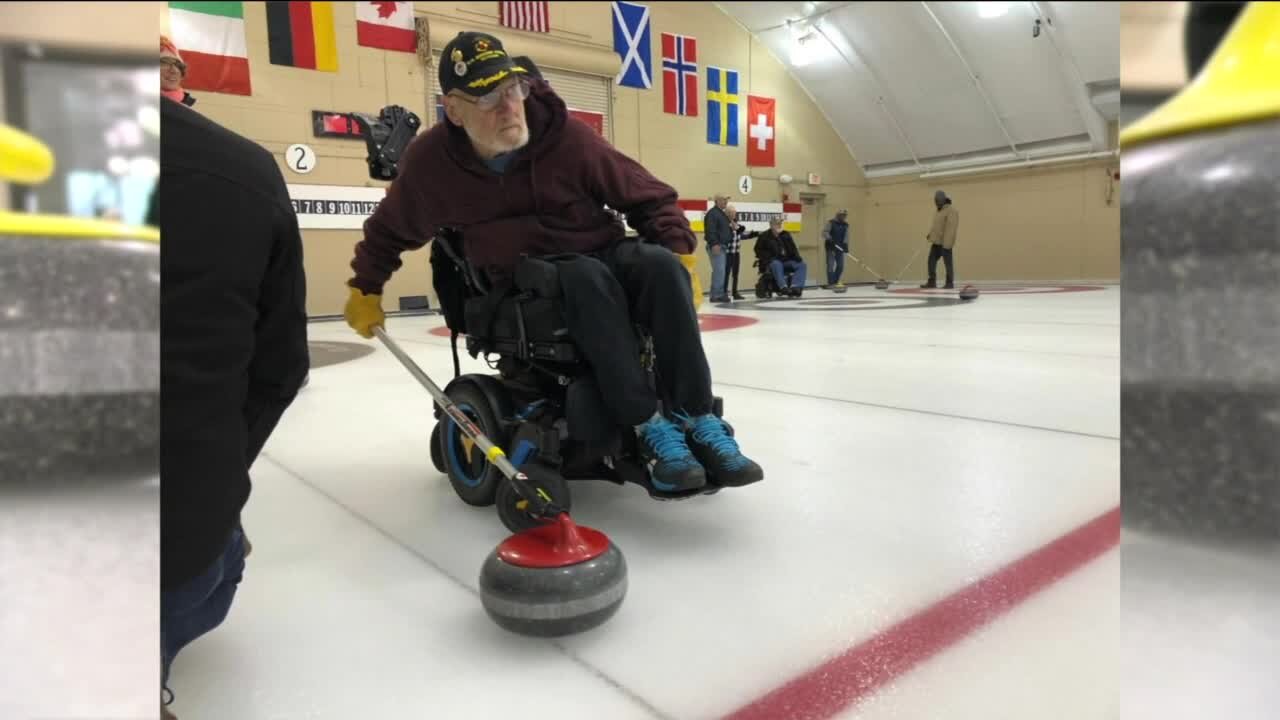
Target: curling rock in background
column 79, row 348
column 1200, row 378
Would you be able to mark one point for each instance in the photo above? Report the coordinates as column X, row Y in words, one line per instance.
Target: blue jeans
column 779, row 268
column 718, row 275
column 835, row 265
column 201, row 605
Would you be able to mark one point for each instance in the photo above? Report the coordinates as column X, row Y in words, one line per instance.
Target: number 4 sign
column 744, row 184
column 300, row 159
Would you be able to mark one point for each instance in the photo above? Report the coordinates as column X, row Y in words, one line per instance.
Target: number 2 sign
column 300, row 159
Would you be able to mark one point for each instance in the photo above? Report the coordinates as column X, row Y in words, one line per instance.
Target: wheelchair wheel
column 509, row 502
column 470, row 474
column 437, row 454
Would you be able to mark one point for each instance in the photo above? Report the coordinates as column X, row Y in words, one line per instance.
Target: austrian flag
column 679, row 75
column 386, row 25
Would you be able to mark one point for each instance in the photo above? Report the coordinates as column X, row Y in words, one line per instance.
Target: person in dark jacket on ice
column 515, row 174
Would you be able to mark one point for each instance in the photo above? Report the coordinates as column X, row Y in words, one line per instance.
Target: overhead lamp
column 991, row 10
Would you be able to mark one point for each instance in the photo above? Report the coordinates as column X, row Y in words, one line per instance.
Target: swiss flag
column 386, row 25
column 762, row 132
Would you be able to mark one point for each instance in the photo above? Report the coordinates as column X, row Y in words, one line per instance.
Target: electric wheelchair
column 767, row 285
column 542, row 405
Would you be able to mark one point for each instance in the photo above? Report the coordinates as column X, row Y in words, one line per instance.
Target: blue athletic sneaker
column 719, row 453
column 674, row 468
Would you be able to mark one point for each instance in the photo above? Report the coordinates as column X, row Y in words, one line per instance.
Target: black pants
column 731, row 269
column 634, row 283
column 935, row 252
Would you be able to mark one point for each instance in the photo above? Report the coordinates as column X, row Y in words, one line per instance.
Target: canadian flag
column 762, row 132
column 386, row 25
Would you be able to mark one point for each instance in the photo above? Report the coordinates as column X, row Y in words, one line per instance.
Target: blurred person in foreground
column 233, row 340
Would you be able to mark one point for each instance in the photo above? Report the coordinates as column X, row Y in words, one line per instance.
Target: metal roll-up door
column 586, row 93
column 433, row 89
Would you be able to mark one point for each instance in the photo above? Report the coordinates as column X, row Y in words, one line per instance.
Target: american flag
column 531, row 16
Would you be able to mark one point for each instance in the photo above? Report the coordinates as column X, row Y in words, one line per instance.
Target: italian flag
column 210, row 37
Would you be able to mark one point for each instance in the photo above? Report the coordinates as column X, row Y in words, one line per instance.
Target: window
column 100, row 115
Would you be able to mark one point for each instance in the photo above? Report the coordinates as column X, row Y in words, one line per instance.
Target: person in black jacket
column 233, row 348
column 776, row 252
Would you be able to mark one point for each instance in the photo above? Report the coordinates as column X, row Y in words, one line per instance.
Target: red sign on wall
column 594, row 119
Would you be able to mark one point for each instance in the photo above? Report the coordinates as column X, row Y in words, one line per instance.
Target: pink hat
column 169, row 50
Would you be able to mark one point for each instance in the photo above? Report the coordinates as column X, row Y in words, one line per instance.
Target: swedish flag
column 722, row 106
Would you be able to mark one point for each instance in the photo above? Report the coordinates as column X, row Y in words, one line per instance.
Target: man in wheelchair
column 776, row 254
column 511, row 175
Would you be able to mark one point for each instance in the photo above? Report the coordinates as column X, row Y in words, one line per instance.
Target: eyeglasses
column 486, row 103
column 182, row 67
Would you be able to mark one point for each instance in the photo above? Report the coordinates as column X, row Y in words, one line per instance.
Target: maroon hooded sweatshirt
column 550, row 199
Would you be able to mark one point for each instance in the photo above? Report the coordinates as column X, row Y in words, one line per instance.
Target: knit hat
column 170, row 51
column 939, row 196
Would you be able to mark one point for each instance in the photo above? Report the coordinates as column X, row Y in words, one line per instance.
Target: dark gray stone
column 80, row 357
column 553, row 602
column 1200, row 397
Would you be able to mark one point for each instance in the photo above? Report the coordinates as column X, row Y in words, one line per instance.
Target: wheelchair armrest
column 450, row 242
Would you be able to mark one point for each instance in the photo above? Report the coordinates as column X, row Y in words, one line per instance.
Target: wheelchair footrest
column 708, row 489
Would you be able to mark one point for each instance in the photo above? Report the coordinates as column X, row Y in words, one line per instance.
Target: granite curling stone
column 882, row 284
column 553, row 580
column 1200, row 324
column 80, row 349
column 968, row 292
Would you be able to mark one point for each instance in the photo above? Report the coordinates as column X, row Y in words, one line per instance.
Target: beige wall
column 1051, row 210
column 107, row 26
column 1051, row 223
column 1151, row 48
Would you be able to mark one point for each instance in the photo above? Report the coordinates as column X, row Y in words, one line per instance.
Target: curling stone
column 1200, row 385
column 882, row 284
column 840, row 289
column 968, row 292
column 553, row 580
column 79, row 340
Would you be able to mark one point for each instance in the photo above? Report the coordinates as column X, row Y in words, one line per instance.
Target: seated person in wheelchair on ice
column 513, row 174
column 776, row 253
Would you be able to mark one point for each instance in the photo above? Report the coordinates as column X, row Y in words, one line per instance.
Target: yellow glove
column 364, row 313
column 690, row 263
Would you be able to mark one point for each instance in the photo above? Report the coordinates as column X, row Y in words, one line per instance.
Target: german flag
column 301, row 34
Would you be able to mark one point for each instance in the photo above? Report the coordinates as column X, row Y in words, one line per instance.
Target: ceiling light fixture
column 991, row 10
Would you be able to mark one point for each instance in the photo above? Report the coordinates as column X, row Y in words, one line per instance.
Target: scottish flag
column 631, row 41
column 722, row 106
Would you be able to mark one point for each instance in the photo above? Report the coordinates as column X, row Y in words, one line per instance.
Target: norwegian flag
column 679, row 75
column 531, row 16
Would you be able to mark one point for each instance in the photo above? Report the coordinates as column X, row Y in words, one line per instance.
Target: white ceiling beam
column 1094, row 123
column 880, row 91
column 977, row 82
